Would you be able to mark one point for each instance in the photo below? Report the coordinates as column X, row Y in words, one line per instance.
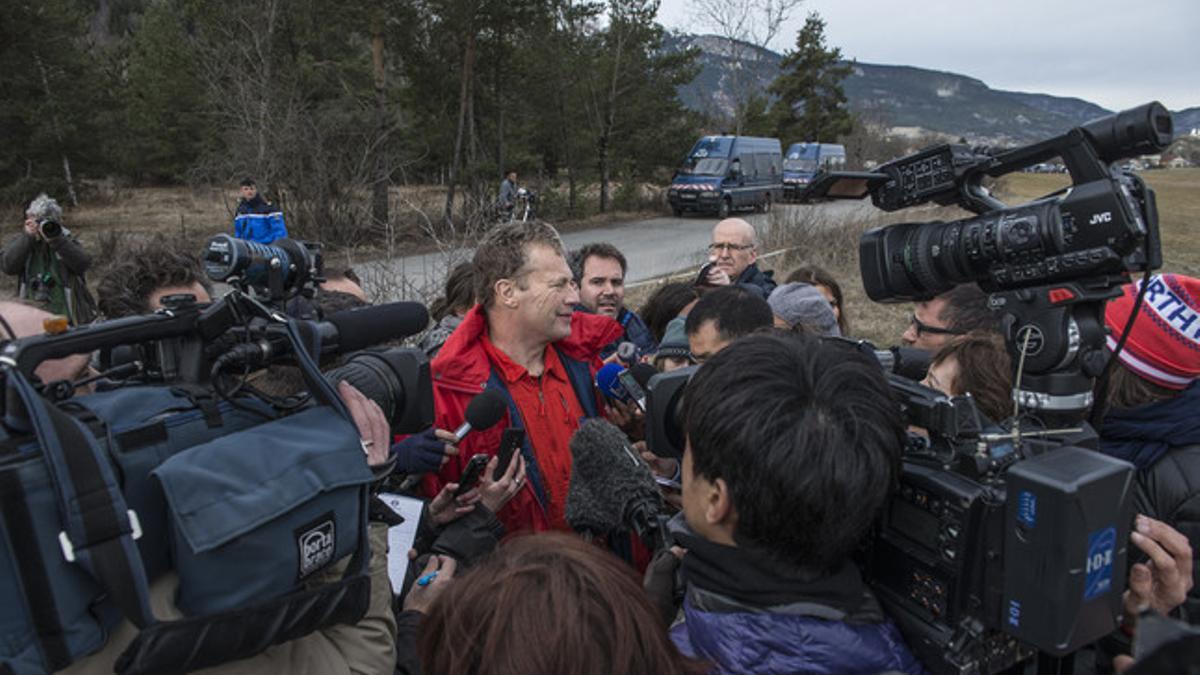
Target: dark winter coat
column 757, row 280
column 52, row 273
column 1163, row 441
column 747, row 612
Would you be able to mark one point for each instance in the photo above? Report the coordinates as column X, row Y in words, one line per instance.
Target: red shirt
column 551, row 414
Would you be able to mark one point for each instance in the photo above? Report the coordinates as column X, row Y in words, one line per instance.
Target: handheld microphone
column 482, row 412
column 609, row 384
column 627, row 353
column 611, row 488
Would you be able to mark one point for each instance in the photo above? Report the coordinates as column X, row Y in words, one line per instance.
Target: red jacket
column 462, row 369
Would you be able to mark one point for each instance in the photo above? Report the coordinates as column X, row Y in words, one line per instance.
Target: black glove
column 660, row 583
column 419, row 453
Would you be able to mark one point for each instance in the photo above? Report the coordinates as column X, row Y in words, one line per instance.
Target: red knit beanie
column 1164, row 345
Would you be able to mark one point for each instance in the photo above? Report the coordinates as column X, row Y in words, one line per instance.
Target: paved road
column 652, row 247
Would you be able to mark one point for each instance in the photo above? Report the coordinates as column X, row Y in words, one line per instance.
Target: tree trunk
column 463, row 98
column 58, row 134
column 379, row 188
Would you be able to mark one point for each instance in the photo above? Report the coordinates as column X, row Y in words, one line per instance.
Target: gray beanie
column 674, row 342
column 803, row 305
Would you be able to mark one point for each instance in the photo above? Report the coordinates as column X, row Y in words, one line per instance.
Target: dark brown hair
column 665, row 304
column 459, row 293
column 505, row 251
column 599, row 249
column 125, row 288
column 811, row 274
column 984, row 371
column 1126, row 389
column 545, row 604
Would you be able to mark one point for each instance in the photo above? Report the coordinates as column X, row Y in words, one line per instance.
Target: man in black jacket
column 734, row 254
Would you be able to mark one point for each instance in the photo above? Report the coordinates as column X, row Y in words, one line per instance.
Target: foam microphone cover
column 607, row 382
column 363, row 327
column 607, row 478
column 627, row 352
column 486, row 409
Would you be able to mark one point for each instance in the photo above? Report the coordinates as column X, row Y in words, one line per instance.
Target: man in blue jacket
column 257, row 219
column 793, row 446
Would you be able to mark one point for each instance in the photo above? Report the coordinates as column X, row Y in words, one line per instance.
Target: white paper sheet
column 401, row 537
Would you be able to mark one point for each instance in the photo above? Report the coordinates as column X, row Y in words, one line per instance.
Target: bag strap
column 98, row 528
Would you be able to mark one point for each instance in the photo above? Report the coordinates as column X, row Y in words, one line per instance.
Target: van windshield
column 712, row 166
column 804, row 165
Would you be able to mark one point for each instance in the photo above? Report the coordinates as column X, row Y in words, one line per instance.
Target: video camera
column 1002, row 542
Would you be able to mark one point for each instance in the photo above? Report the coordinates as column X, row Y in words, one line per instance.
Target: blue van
column 804, row 160
column 723, row 174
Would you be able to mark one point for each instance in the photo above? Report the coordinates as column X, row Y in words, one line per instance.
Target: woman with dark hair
column 448, row 311
column 829, row 287
column 977, row 364
column 547, row 604
column 666, row 303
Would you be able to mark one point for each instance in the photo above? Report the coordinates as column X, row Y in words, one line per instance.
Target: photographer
column 793, row 447
column 722, row 316
column 152, row 271
column 49, row 263
column 1153, row 398
column 958, row 311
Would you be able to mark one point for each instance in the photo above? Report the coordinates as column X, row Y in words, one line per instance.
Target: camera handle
column 1059, row 330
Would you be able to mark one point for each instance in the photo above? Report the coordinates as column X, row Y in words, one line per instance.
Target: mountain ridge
column 908, row 100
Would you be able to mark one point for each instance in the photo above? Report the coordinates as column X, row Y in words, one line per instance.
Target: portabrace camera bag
column 102, row 494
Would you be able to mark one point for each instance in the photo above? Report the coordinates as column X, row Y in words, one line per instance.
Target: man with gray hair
column 49, row 263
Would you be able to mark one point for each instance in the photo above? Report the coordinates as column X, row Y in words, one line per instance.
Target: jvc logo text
column 1098, row 218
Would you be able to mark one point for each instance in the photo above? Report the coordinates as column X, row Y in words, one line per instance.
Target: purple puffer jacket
column 783, row 642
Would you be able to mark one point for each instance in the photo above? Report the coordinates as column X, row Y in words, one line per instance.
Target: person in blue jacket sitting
column 793, row 447
column 257, row 219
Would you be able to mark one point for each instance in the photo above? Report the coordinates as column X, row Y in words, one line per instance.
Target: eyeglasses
column 717, row 248
column 932, row 330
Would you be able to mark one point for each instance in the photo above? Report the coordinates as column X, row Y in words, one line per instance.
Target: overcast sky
column 1116, row 53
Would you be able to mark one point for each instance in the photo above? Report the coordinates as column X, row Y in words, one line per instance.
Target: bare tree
column 747, row 27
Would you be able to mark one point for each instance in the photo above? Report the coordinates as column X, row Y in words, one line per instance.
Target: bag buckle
column 68, row 549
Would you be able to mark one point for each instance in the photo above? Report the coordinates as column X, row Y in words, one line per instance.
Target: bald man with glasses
column 734, row 254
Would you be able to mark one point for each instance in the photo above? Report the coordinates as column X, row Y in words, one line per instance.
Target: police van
column 804, row 160
column 723, row 174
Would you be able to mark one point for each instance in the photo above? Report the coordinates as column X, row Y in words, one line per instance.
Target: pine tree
column 811, row 105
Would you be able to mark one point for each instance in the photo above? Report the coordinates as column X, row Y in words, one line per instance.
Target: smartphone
column 510, row 442
column 702, row 276
column 470, row 475
column 632, row 388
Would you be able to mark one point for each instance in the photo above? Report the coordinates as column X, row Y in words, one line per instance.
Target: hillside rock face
column 902, row 97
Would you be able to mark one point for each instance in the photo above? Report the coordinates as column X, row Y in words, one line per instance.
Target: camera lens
column 398, row 380
column 50, row 229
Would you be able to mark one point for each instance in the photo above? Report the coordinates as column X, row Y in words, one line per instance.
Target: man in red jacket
column 526, row 340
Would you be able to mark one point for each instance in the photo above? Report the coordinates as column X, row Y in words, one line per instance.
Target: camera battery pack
column 1068, row 516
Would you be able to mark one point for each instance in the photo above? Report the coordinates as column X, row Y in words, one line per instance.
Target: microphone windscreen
column 486, row 409
column 642, row 372
column 607, row 383
column 606, row 478
column 363, row 327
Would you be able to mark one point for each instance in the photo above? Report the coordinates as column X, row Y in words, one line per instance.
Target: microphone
column 608, row 383
column 611, row 488
column 346, row 331
column 627, row 353
column 482, row 412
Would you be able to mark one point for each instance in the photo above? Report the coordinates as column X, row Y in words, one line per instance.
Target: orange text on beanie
column 1164, row 345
